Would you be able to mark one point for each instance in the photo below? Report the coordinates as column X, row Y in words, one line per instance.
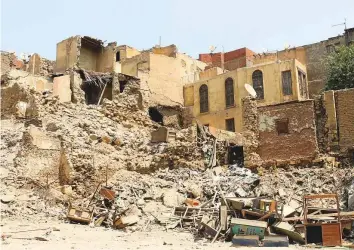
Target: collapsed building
column 100, row 143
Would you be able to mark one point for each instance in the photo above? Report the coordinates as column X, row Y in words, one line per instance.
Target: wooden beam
column 342, row 214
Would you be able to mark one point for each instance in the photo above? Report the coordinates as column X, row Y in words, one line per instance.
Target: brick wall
column 345, row 117
column 298, row 144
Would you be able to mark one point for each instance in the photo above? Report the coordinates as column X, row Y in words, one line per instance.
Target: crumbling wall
column 40, row 66
column 12, row 95
column 250, row 132
column 297, row 143
column 321, row 121
column 169, row 51
column 67, row 55
column 9, row 61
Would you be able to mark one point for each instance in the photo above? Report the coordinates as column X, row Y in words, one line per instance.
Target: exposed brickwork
column 233, row 59
column 299, row 144
column 345, row 117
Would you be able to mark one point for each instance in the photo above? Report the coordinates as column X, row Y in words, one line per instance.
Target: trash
column 248, row 227
column 80, row 215
column 107, row 193
column 192, row 202
column 245, row 240
column 275, row 241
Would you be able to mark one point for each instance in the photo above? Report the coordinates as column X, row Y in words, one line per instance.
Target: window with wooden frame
column 302, row 84
column 257, row 81
column 282, row 126
column 229, row 92
column 286, row 82
column 230, row 124
column 204, row 99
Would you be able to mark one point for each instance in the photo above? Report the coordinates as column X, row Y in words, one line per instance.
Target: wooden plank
column 320, row 196
column 223, row 218
column 342, row 214
column 331, row 234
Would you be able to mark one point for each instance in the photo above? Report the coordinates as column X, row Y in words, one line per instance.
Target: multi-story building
column 216, row 101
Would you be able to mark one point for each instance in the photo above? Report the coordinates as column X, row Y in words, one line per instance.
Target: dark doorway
column 118, row 56
column 122, row 86
column 235, row 155
column 93, row 92
column 314, row 234
column 155, row 115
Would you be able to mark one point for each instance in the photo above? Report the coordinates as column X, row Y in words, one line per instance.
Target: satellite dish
column 250, row 90
column 212, row 48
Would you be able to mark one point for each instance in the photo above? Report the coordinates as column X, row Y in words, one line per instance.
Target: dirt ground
column 74, row 236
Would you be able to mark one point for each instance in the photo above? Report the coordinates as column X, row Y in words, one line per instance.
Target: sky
column 36, row 26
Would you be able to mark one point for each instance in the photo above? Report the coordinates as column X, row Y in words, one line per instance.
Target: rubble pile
column 99, row 165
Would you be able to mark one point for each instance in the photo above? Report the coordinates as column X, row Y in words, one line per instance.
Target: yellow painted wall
column 66, row 56
column 209, row 73
column 273, row 94
column 164, row 74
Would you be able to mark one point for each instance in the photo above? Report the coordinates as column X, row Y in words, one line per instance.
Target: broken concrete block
column 281, row 192
column 61, row 88
column 171, row 198
column 66, row 189
column 240, row 192
column 286, row 229
column 41, row 140
column 124, row 221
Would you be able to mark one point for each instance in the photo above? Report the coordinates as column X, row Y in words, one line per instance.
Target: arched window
column 257, row 80
column 203, row 96
column 229, row 92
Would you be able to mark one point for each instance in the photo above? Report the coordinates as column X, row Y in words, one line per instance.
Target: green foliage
column 340, row 71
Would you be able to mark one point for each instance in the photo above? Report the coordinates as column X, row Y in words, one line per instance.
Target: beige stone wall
column 88, row 59
column 106, row 59
column 67, row 54
column 345, row 116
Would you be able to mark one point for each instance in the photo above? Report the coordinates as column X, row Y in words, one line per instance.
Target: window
column 257, row 80
column 230, row 124
column 229, row 92
column 286, row 82
column 203, row 95
column 330, row 48
column 302, row 84
column 118, row 56
column 282, row 126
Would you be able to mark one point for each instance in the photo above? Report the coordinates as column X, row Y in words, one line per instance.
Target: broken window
column 118, row 56
column 257, row 81
column 230, row 124
column 155, row 115
column 302, row 84
column 204, row 99
column 122, row 86
column 229, row 92
column 235, row 155
column 282, row 126
column 286, row 82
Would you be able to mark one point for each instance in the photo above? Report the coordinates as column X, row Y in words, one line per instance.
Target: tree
column 340, row 71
